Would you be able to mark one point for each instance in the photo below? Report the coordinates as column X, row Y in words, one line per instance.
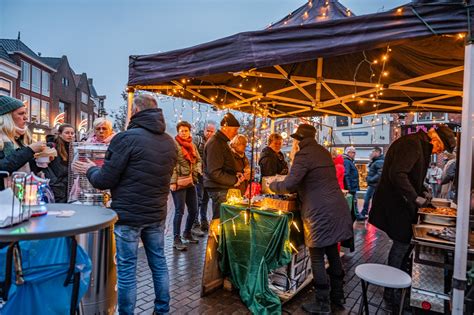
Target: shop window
column 5, row 87
column 431, row 117
column 45, row 113
column 45, row 82
column 342, row 121
column 35, row 79
column 25, row 75
column 35, row 110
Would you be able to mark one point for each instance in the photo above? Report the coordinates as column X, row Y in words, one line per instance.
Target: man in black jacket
column 220, row 171
column 373, row 177
column 401, row 190
column 137, row 169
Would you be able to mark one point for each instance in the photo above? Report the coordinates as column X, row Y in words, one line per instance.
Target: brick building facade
column 53, row 92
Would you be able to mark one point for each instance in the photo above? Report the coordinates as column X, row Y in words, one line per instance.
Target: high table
column 85, row 219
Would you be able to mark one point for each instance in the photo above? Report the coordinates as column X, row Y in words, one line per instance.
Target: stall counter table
column 249, row 250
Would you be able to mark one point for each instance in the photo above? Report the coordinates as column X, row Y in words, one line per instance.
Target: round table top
column 85, row 219
column 383, row 275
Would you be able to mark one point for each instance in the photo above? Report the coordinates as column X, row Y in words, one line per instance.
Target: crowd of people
column 144, row 164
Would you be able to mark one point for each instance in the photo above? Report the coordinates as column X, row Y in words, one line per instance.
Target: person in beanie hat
column 401, row 191
column 220, row 171
column 16, row 148
column 325, row 216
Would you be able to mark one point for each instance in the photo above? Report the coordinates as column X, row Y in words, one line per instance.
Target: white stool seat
column 383, row 275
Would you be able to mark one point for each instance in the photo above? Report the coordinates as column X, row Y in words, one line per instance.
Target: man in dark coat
column 351, row 178
column 401, row 191
column 272, row 161
column 203, row 197
column 137, row 169
column 220, row 172
column 325, row 214
column 373, row 178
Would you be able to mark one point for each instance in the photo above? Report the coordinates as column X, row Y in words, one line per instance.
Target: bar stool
column 383, row 276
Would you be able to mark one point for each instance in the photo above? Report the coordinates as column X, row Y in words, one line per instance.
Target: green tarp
column 252, row 251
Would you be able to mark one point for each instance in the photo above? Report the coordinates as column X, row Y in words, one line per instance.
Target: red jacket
column 339, row 163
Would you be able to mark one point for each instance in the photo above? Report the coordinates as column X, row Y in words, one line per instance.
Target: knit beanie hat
column 9, row 104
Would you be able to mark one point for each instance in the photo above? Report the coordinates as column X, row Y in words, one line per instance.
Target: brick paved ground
column 185, row 280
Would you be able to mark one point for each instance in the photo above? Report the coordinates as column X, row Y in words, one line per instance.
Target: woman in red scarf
column 183, row 191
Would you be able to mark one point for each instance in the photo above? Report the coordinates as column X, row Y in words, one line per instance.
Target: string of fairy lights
column 216, row 230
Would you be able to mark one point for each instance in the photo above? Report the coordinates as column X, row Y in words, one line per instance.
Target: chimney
column 89, row 80
column 39, row 53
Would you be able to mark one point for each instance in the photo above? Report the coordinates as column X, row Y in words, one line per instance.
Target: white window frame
column 11, row 87
column 26, row 98
column 84, row 98
column 36, row 88
column 45, row 86
column 31, row 110
column 46, row 123
column 424, row 121
column 25, row 80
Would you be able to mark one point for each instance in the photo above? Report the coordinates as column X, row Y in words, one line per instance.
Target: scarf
column 187, row 149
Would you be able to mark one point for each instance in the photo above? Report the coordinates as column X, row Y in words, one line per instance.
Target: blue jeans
column 126, row 239
column 203, row 201
column 368, row 196
column 182, row 198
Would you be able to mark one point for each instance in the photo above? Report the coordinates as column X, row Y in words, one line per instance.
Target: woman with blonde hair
column 103, row 131
column 16, row 148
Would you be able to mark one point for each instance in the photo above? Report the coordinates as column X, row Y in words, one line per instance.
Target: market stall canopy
column 406, row 59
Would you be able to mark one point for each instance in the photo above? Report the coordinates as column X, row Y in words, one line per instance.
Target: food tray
column 423, row 211
column 420, row 232
column 439, row 220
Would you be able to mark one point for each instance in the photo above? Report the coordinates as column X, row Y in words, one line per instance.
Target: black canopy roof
column 406, row 59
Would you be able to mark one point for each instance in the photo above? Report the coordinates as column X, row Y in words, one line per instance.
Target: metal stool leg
column 402, row 302
column 364, row 302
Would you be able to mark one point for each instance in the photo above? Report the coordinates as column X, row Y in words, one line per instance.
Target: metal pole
column 131, row 93
column 464, row 184
column 272, row 125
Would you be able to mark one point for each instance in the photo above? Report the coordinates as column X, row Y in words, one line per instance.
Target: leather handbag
column 184, row 182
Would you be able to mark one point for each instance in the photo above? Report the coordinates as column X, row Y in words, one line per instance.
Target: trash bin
column 101, row 298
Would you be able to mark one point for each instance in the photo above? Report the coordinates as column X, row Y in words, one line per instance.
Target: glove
column 421, row 202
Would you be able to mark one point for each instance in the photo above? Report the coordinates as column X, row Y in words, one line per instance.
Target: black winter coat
column 351, row 175
column 137, row 169
column 324, row 210
column 11, row 160
column 57, row 172
column 272, row 163
column 393, row 207
column 220, row 171
column 375, row 171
